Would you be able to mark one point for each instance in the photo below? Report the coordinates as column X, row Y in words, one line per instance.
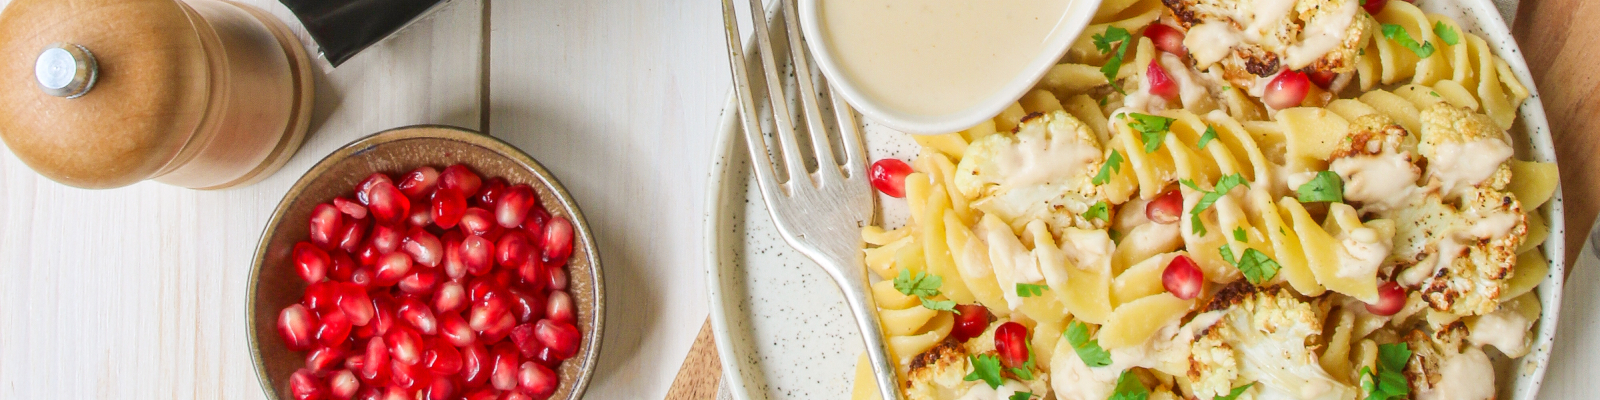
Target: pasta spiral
column 1468, row 66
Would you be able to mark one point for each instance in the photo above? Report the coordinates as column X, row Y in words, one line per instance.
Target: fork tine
column 855, row 152
column 784, row 129
column 827, row 168
column 754, row 140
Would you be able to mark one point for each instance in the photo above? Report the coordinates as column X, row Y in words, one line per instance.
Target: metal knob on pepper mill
column 202, row 94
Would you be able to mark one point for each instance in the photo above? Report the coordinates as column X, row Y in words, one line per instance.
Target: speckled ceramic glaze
column 782, row 328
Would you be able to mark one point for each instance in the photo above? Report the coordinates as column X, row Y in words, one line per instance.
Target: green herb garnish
column 1116, row 39
column 986, row 368
column 1030, row 290
column 1088, row 350
column 1445, row 33
column 1234, row 394
column 1112, row 165
column 1326, row 186
column 1399, row 35
column 1206, row 138
column 1152, row 129
column 1100, row 210
column 1129, row 387
column 1389, row 381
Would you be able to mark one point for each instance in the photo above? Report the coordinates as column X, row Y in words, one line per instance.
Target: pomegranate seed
column 355, row 303
column 395, row 393
column 414, row 312
column 477, row 254
column 557, row 242
column 362, row 277
column 480, row 287
column 489, row 195
column 558, row 278
column 562, row 338
column 1167, row 38
column 409, row 376
column 442, row 358
column 367, row 184
column 387, row 203
column 350, row 240
column 487, row 312
column 1166, row 208
column 419, row 182
column 420, row 216
column 1011, row 341
column 386, row 239
column 547, row 357
column 559, row 307
column 484, row 394
column 296, row 325
column 324, row 358
column 522, row 336
column 971, row 321
column 348, row 207
column 455, row 330
column 538, row 381
column 889, row 176
column 321, row 295
column 503, row 373
column 527, row 307
column 1160, row 83
column 305, row 386
column 368, row 256
column 334, row 328
column 460, row 178
column 450, row 298
column 537, row 218
column 404, row 345
column 477, row 221
column 343, row 385
column 452, row 265
column 391, row 268
column 513, row 249
column 1322, row 78
column 1287, row 90
column 375, row 369
column 419, row 283
column 533, row 275
column 382, row 316
column 448, row 207
column 475, row 364
column 499, row 329
column 438, row 389
column 1374, row 6
column 311, row 262
column 1391, row 298
column 343, row 266
column 1183, row 278
column 326, row 225
column 516, row 395
column 513, row 206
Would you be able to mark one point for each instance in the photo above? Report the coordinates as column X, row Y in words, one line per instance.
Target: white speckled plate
column 781, row 325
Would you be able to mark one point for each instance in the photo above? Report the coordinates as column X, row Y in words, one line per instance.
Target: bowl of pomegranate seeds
column 426, row 263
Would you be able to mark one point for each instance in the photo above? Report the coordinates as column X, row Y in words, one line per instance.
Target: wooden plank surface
column 701, row 370
column 1559, row 41
column 139, row 292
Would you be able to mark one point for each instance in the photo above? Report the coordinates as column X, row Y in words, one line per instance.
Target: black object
column 343, row 28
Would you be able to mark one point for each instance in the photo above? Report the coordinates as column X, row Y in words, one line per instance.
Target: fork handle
column 851, row 277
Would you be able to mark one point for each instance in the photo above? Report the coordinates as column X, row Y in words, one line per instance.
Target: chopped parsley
column 1088, row 350
column 1445, row 33
column 1020, row 396
column 1224, row 185
column 1152, row 129
column 1112, row 165
column 1388, row 382
column 1100, row 210
column 986, row 368
column 1129, row 387
column 939, row 305
column 1030, row 290
column 1399, row 35
column 1326, row 186
column 1115, row 41
column 1234, row 394
column 923, row 285
column 1238, row 234
column 1254, row 264
column 1025, row 372
column 1206, row 138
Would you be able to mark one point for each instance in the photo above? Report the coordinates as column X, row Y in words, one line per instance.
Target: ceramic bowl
column 274, row 285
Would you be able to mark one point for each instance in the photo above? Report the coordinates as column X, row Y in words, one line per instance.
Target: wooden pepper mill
column 202, row 94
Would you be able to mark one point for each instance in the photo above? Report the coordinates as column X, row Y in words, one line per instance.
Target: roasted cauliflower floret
column 1464, row 149
column 1378, row 164
column 1249, row 42
column 1443, row 366
column 1042, row 171
column 938, row 372
column 1266, row 330
column 1460, row 259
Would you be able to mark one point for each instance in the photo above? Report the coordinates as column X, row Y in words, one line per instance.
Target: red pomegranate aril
column 442, row 358
column 1166, row 208
column 537, row 380
column 1322, row 78
column 477, row 222
column 327, row 223
column 1166, row 38
column 490, row 193
column 499, row 329
column 889, row 176
column 1287, row 90
column 334, row 328
column 421, row 216
column 485, row 313
column 557, row 277
column 419, row 283
column 383, row 315
column 522, row 336
column 971, row 321
column 362, row 277
column 480, row 287
column 343, row 266
column 1183, row 278
column 305, row 385
column 537, row 218
column 477, row 254
column 460, row 178
column 562, row 338
column 350, row 240
column 351, row 208
column 513, row 249
column 325, row 358
column 395, row 393
column 343, row 385
column 533, row 275
column 419, row 182
column 321, row 295
column 475, row 365
column 356, row 304
column 559, row 307
column 418, row 315
column 455, row 330
column 386, row 239
column 513, row 206
column 557, row 242
column 450, row 298
column 516, row 395
column 375, row 369
column 391, row 268
column 438, row 389
column 387, row 204
column 1391, row 298
column 1160, row 83
column 503, row 370
column 547, row 357
column 452, row 265
column 527, row 307
column 483, row 394
column 448, row 207
column 409, row 376
column 1373, row 6
column 297, row 327
column 366, row 185
column 310, row 262
column 1011, row 341
column 405, row 346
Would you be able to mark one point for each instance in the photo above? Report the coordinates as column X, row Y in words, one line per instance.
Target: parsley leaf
column 1152, row 129
column 1257, row 267
column 1399, row 35
column 987, row 368
column 1100, row 210
column 1234, row 394
column 1088, row 350
column 1112, row 165
column 1206, row 138
column 1021, row 396
column 1129, row 387
column 1238, row 235
column 1025, row 372
column 1030, row 290
column 1104, row 42
column 1227, row 254
column 939, row 305
column 922, row 285
column 1445, row 33
column 1224, row 185
column 1388, row 382
column 1326, row 186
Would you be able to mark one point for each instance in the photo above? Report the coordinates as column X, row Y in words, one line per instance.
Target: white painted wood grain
column 139, row 292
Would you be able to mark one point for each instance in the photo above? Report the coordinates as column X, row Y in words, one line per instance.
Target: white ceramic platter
column 781, row 326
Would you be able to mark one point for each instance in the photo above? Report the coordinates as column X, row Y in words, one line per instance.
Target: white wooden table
column 139, row 293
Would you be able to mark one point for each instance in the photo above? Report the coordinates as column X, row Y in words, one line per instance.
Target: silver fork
column 819, row 213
